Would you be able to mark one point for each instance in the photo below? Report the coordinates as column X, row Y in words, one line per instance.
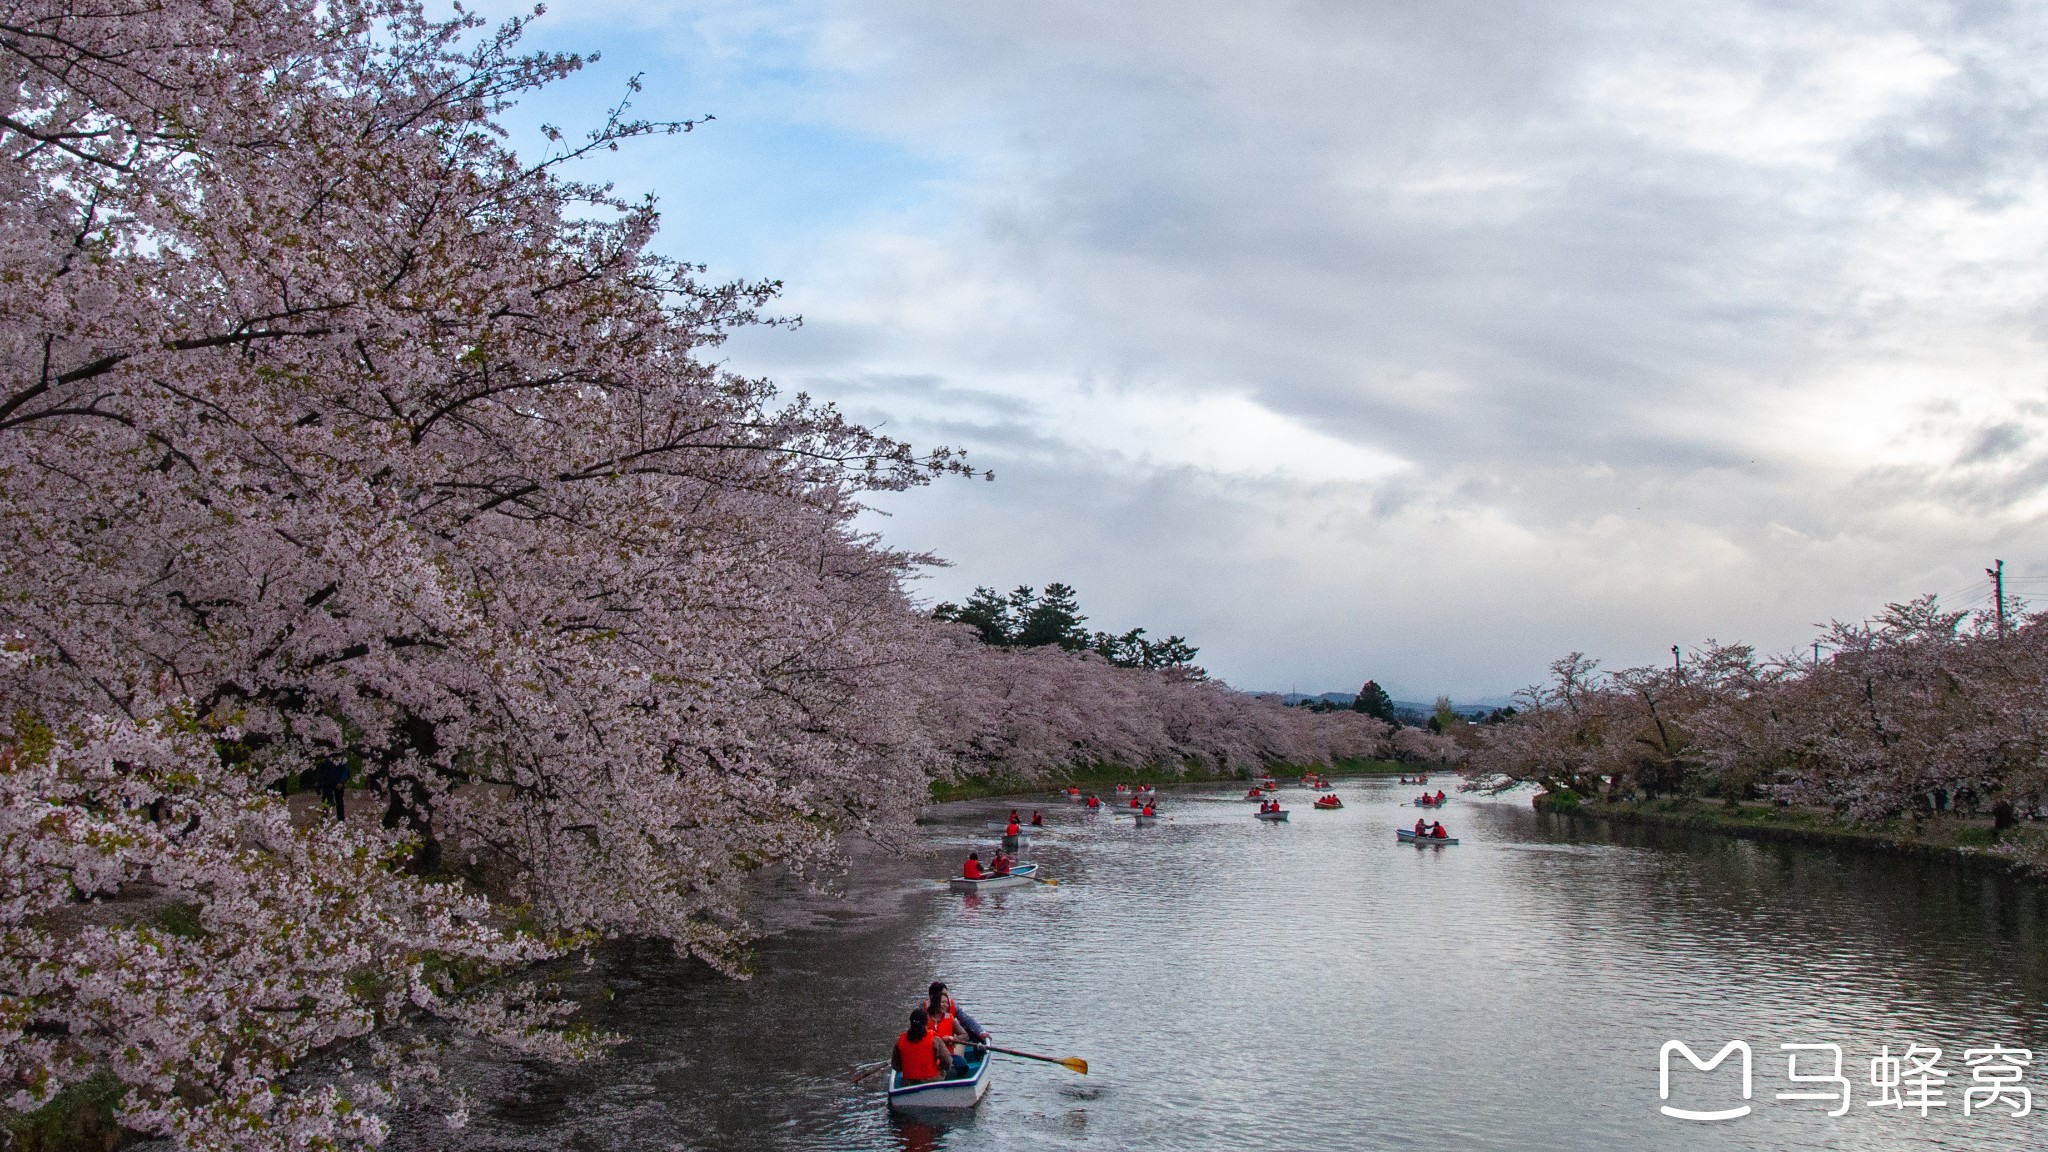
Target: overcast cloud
column 1421, row 341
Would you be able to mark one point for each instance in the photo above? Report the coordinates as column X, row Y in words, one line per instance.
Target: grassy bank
column 1946, row 836
column 1104, row 777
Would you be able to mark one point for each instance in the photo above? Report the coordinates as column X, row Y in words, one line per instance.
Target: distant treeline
column 1052, row 618
column 1372, row 700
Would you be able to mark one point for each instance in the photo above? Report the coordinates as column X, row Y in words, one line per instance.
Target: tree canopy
column 1374, row 702
column 1052, row 618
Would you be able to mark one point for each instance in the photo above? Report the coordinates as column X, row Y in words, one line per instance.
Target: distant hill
column 1408, row 710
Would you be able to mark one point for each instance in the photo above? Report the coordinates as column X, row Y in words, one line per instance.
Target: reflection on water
column 1315, row 984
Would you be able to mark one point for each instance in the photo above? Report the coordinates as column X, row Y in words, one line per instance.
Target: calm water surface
column 1317, row 985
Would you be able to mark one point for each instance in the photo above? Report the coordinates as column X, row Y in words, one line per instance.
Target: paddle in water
column 1070, row 1063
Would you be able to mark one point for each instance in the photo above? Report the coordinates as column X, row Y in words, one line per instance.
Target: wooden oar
column 870, row 1069
column 1070, row 1063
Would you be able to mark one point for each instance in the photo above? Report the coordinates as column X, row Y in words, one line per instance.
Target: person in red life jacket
column 1037, row 818
column 953, row 1026
column 1148, row 810
column 1094, row 802
column 999, row 864
column 919, row 1055
column 1438, row 833
column 1439, row 795
column 1421, row 826
column 1013, row 828
column 972, row 869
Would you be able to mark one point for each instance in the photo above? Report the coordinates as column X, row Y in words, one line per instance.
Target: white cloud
column 1399, row 340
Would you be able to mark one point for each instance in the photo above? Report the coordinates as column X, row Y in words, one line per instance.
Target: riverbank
column 2017, row 851
column 1105, row 777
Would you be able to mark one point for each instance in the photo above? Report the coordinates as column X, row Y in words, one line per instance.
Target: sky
column 1422, row 341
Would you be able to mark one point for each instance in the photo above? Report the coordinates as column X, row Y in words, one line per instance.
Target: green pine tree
column 1374, row 701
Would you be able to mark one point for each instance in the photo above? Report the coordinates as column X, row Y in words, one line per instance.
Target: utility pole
column 1816, row 653
column 1676, row 665
column 1998, row 590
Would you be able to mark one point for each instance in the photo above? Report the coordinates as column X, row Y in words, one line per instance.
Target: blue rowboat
column 943, row 1095
column 1019, row 874
column 1432, row 803
column 1408, row 835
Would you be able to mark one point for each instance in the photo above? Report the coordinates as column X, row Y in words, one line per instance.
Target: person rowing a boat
column 1013, row 828
column 999, row 864
column 1094, row 803
column 972, row 869
column 920, row 1054
column 1436, row 832
column 953, row 1025
column 1421, row 826
column 1149, row 811
column 1439, row 795
column 1037, row 818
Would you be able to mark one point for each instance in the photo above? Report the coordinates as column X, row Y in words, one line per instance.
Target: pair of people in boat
column 1426, row 798
column 1269, row 806
column 1147, row 810
column 1431, row 829
column 973, row 869
column 934, row 1047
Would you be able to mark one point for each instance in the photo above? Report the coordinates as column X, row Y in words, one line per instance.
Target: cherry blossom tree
column 1917, row 711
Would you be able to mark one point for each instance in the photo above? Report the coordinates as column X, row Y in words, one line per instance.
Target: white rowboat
column 1432, row 803
column 1019, row 874
column 1271, row 815
column 1408, row 835
column 942, row 1095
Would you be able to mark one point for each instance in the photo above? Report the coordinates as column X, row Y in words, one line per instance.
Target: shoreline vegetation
column 1921, row 730
column 1102, row 776
column 1973, row 842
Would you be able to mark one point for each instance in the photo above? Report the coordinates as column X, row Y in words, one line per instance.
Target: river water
column 1315, row 984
